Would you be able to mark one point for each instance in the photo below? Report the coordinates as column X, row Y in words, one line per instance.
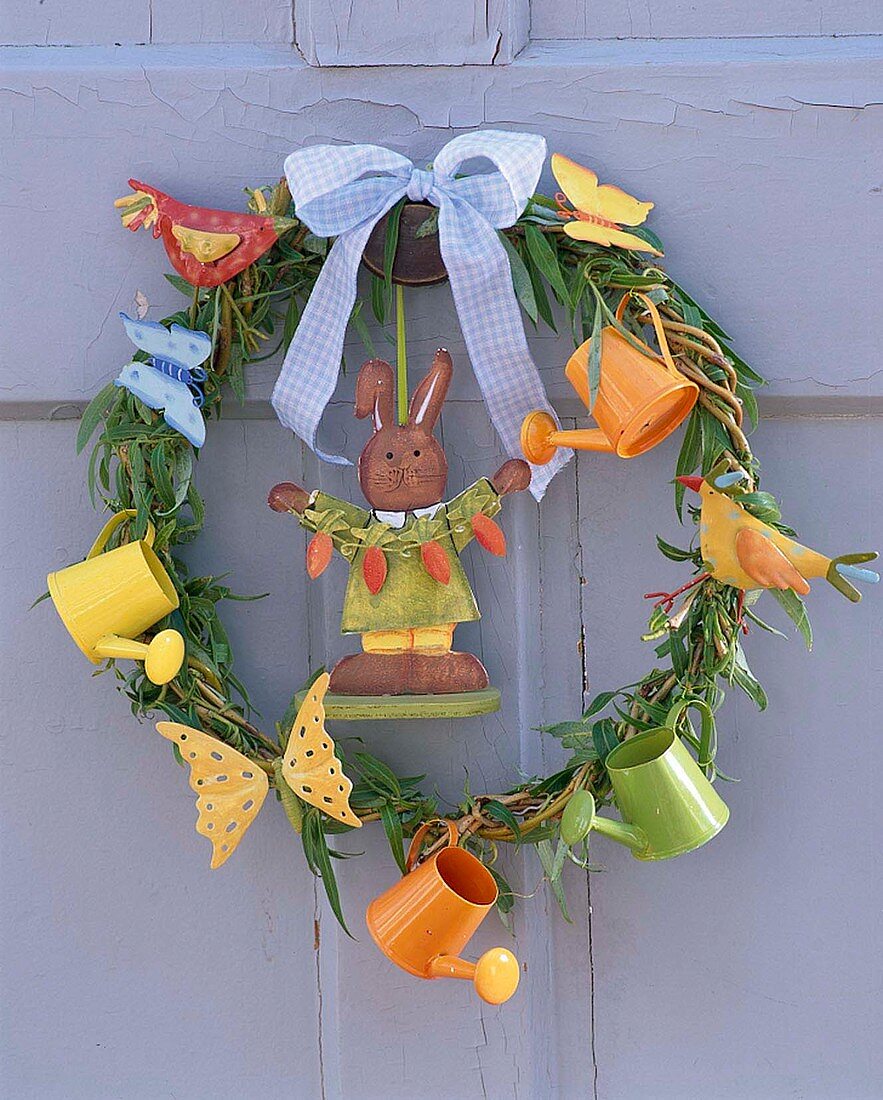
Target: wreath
column 249, row 309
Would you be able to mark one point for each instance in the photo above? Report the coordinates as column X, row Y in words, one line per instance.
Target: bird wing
column 766, row 564
column 205, row 246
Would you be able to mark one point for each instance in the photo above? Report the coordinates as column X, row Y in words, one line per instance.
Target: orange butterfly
column 600, row 209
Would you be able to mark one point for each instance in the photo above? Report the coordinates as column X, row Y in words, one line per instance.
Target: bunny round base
column 408, row 673
column 367, row 708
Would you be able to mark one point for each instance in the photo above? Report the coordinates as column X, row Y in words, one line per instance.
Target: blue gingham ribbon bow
column 342, row 191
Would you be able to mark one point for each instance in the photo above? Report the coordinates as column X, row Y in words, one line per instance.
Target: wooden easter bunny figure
column 407, row 589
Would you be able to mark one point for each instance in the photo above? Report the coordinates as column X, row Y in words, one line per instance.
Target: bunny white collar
column 398, row 519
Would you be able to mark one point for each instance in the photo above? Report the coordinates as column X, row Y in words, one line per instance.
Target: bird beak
column 694, row 483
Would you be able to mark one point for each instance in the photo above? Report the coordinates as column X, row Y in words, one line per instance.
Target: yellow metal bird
column 740, row 550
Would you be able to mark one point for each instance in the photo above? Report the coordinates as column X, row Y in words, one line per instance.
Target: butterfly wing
column 608, row 235
column 160, row 391
column 310, row 766
column 581, row 186
column 230, row 787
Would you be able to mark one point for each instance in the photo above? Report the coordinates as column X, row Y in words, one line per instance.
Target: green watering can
column 667, row 804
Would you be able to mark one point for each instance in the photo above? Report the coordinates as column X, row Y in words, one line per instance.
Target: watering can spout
column 632, row 836
column 162, row 656
column 495, row 975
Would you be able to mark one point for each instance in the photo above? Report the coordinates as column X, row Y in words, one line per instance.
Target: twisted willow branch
column 140, row 463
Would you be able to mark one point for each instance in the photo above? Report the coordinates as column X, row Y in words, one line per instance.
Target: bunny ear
column 426, row 404
column 374, row 393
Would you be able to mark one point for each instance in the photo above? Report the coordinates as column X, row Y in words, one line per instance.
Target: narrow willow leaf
column 760, row 504
column 159, row 471
column 542, row 299
column 501, row 812
column 749, row 402
column 795, row 608
column 390, row 244
column 378, row 299
column 520, row 279
column 553, row 864
column 546, row 259
column 182, row 285
column 378, row 775
column 604, row 737
column 94, row 411
column 392, row 826
column 599, row 703
column 714, row 438
column 744, row 678
column 358, row 323
column 505, row 897
column 680, row 662
column 674, row 553
column 688, row 459
column 316, row 851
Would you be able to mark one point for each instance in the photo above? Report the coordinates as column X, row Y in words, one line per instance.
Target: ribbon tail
column 312, row 363
column 490, row 319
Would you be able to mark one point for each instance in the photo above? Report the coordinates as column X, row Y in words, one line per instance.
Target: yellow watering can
column 113, row 596
column 424, row 921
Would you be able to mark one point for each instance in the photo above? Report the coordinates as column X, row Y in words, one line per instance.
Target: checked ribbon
column 342, row 192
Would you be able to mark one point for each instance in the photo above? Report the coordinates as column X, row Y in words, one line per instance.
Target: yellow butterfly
column 599, row 209
column 310, row 767
column 232, row 788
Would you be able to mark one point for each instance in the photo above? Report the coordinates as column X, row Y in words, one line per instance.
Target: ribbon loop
column 342, row 192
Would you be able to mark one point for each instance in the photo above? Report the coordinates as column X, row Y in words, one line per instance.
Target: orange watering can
column 113, row 596
column 425, row 920
column 642, row 397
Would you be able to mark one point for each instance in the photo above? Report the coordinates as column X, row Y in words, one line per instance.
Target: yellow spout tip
column 496, row 975
column 536, row 428
column 165, row 655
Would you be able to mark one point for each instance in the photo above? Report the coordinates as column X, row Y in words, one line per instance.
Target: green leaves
column 318, row 857
column 500, row 812
column 795, row 609
column 521, row 281
column 604, row 738
column 94, row 412
column 545, row 258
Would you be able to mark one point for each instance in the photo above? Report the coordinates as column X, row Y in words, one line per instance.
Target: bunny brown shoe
column 446, row 673
column 371, row 674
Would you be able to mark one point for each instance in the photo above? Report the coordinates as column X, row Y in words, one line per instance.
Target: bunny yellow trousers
column 431, row 640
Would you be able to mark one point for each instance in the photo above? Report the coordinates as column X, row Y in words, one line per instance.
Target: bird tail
column 843, row 570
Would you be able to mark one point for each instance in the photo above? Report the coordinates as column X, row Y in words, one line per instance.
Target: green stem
column 194, row 306
column 401, row 356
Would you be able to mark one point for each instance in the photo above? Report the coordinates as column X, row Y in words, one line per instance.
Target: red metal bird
column 206, row 247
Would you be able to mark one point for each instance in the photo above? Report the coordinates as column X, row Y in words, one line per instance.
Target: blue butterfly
column 172, row 377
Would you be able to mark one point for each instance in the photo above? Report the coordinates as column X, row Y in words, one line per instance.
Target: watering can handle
column 417, row 841
column 657, row 326
column 706, row 741
column 108, row 529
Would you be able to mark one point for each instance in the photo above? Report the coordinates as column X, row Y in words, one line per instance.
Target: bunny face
column 402, row 467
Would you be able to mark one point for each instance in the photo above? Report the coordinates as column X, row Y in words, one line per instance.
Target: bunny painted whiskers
column 407, row 589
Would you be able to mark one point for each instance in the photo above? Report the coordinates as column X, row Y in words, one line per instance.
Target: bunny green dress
column 410, row 597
